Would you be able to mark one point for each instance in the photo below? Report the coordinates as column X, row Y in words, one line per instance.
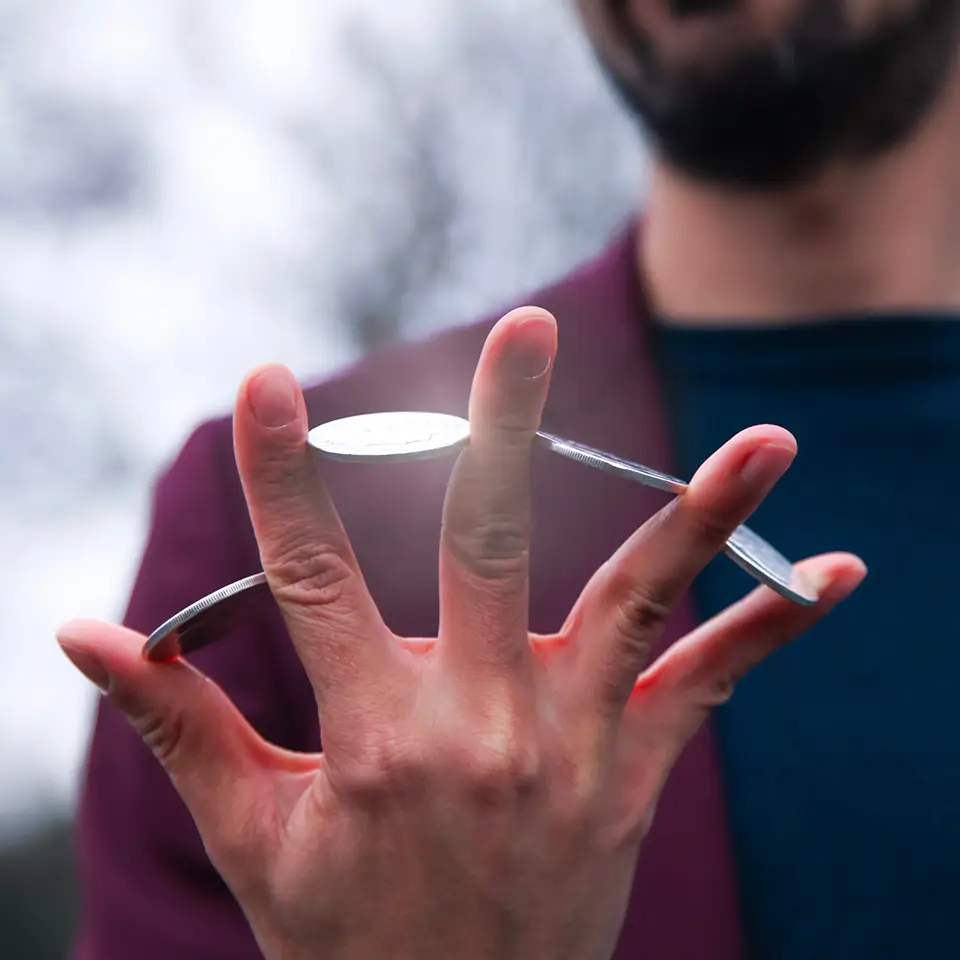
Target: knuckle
column 162, row 731
column 715, row 691
column 405, row 773
column 383, row 774
column 710, row 527
column 308, row 574
column 515, row 428
column 638, row 616
column 364, row 783
column 498, row 548
column 713, row 685
column 720, row 691
column 279, row 464
column 503, row 769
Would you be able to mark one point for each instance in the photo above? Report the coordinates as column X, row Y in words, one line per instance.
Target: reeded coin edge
column 182, row 618
column 612, row 464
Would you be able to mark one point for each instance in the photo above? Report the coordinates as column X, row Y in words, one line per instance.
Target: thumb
column 216, row 760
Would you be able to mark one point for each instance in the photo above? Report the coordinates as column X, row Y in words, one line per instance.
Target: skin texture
column 483, row 794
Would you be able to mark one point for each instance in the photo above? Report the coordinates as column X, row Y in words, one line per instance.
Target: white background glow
column 188, row 189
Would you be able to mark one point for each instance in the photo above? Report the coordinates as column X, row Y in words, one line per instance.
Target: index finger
column 310, row 565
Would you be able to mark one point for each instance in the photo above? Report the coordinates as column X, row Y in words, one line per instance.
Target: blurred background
column 191, row 187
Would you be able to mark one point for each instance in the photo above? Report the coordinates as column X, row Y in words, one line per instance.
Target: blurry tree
column 479, row 171
column 189, row 188
column 413, row 203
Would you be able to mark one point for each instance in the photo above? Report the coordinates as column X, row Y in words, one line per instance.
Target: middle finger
column 485, row 543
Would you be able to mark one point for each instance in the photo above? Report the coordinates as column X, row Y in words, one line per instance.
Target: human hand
column 482, row 795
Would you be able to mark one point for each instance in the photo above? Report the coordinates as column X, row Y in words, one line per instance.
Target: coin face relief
column 390, row 437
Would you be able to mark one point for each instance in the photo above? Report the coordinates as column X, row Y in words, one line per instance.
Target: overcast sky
column 191, row 187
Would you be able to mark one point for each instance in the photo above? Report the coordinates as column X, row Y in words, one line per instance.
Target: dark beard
column 776, row 116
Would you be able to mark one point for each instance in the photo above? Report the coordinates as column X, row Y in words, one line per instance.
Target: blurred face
column 759, row 93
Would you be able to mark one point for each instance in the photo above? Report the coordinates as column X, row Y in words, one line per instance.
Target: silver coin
column 390, row 437
column 205, row 621
column 747, row 549
column 607, row 462
column 752, row 553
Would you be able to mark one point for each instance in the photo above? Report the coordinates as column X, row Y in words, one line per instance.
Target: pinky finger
column 701, row 670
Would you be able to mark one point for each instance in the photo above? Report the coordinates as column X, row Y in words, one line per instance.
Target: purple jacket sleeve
column 147, row 887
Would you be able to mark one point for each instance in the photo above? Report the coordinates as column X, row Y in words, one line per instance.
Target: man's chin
column 777, row 116
column 753, row 136
column 683, row 9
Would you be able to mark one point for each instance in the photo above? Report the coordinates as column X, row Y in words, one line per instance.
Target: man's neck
column 882, row 235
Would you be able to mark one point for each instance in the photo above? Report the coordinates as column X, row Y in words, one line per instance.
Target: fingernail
column 766, row 465
column 531, row 350
column 273, row 398
column 833, row 589
column 90, row 667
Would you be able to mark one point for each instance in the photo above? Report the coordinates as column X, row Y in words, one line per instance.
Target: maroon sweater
column 149, row 891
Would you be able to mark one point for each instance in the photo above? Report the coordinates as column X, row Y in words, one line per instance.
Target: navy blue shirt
column 841, row 753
